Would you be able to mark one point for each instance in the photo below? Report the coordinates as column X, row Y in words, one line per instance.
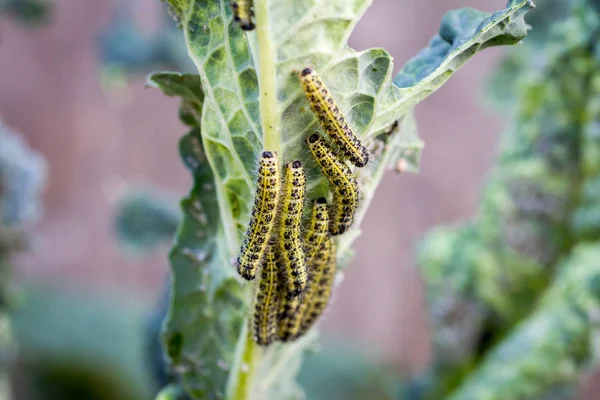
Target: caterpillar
column 318, row 229
column 290, row 240
column 242, row 14
column 266, row 304
column 291, row 310
column 341, row 182
column 289, row 317
column 321, row 283
column 263, row 216
column 296, row 316
column 331, row 118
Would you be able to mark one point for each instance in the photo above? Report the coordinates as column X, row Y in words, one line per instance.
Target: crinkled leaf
column 502, row 260
column 465, row 29
column 305, row 33
column 551, row 348
column 206, row 300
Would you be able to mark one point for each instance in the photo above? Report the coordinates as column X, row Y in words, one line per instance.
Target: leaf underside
column 221, row 106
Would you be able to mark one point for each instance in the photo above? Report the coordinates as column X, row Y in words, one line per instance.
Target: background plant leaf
column 553, row 345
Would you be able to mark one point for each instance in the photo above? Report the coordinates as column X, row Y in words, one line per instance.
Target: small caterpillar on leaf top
column 321, row 283
column 266, row 304
column 318, row 230
column 331, row 118
column 263, row 216
column 242, row 14
column 341, row 182
column 290, row 239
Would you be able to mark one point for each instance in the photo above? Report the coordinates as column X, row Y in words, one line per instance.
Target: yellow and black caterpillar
column 298, row 315
column 263, row 216
column 322, row 275
column 242, row 14
column 289, row 318
column 267, row 298
column 292, row 310
column 332, row 119
column 341, row 183
column 318, row 230
column 290, row 239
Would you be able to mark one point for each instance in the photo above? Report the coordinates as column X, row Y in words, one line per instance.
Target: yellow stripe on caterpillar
column 242, row 14
column 320, row 286
column 332, row 119
column 341, row 183
column 263, row 216
column 318, row 230
column 266, row 303
column 290, row 239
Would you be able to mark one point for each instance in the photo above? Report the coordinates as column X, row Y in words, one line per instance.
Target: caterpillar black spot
column 242, row 14
column 263, row 216
column 332, row 119
column 341, row 183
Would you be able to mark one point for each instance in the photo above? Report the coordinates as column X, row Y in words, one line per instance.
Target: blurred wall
column 97, row 141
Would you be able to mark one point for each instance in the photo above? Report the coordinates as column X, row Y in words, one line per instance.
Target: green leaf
column 78, row 344
column 553, row 346
column 145, row 218
column 463, row 32
column 208, row 300
column 541, row 200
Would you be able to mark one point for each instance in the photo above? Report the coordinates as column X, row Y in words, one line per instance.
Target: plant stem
column 267, row 78
column 239, row 386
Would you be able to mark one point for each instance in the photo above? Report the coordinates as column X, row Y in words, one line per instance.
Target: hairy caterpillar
column 289, row 318
column 266, row 304
column 321, row 282
column 242, row 14
column 290, row 240
column 296, row 316
column 318, row 230
column 290, row 310
column 263, row 216
column 331, row 118
column 341, row 182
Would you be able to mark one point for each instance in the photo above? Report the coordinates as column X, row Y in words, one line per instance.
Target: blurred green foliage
column 146, row 218
column 498, row 270
column 79, row 345
column 126, row 48
column 29, row 12
column 22, row 175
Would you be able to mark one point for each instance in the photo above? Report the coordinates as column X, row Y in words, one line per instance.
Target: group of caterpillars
column 297, row 270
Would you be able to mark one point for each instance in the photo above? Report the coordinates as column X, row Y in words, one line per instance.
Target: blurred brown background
column 97, row 141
